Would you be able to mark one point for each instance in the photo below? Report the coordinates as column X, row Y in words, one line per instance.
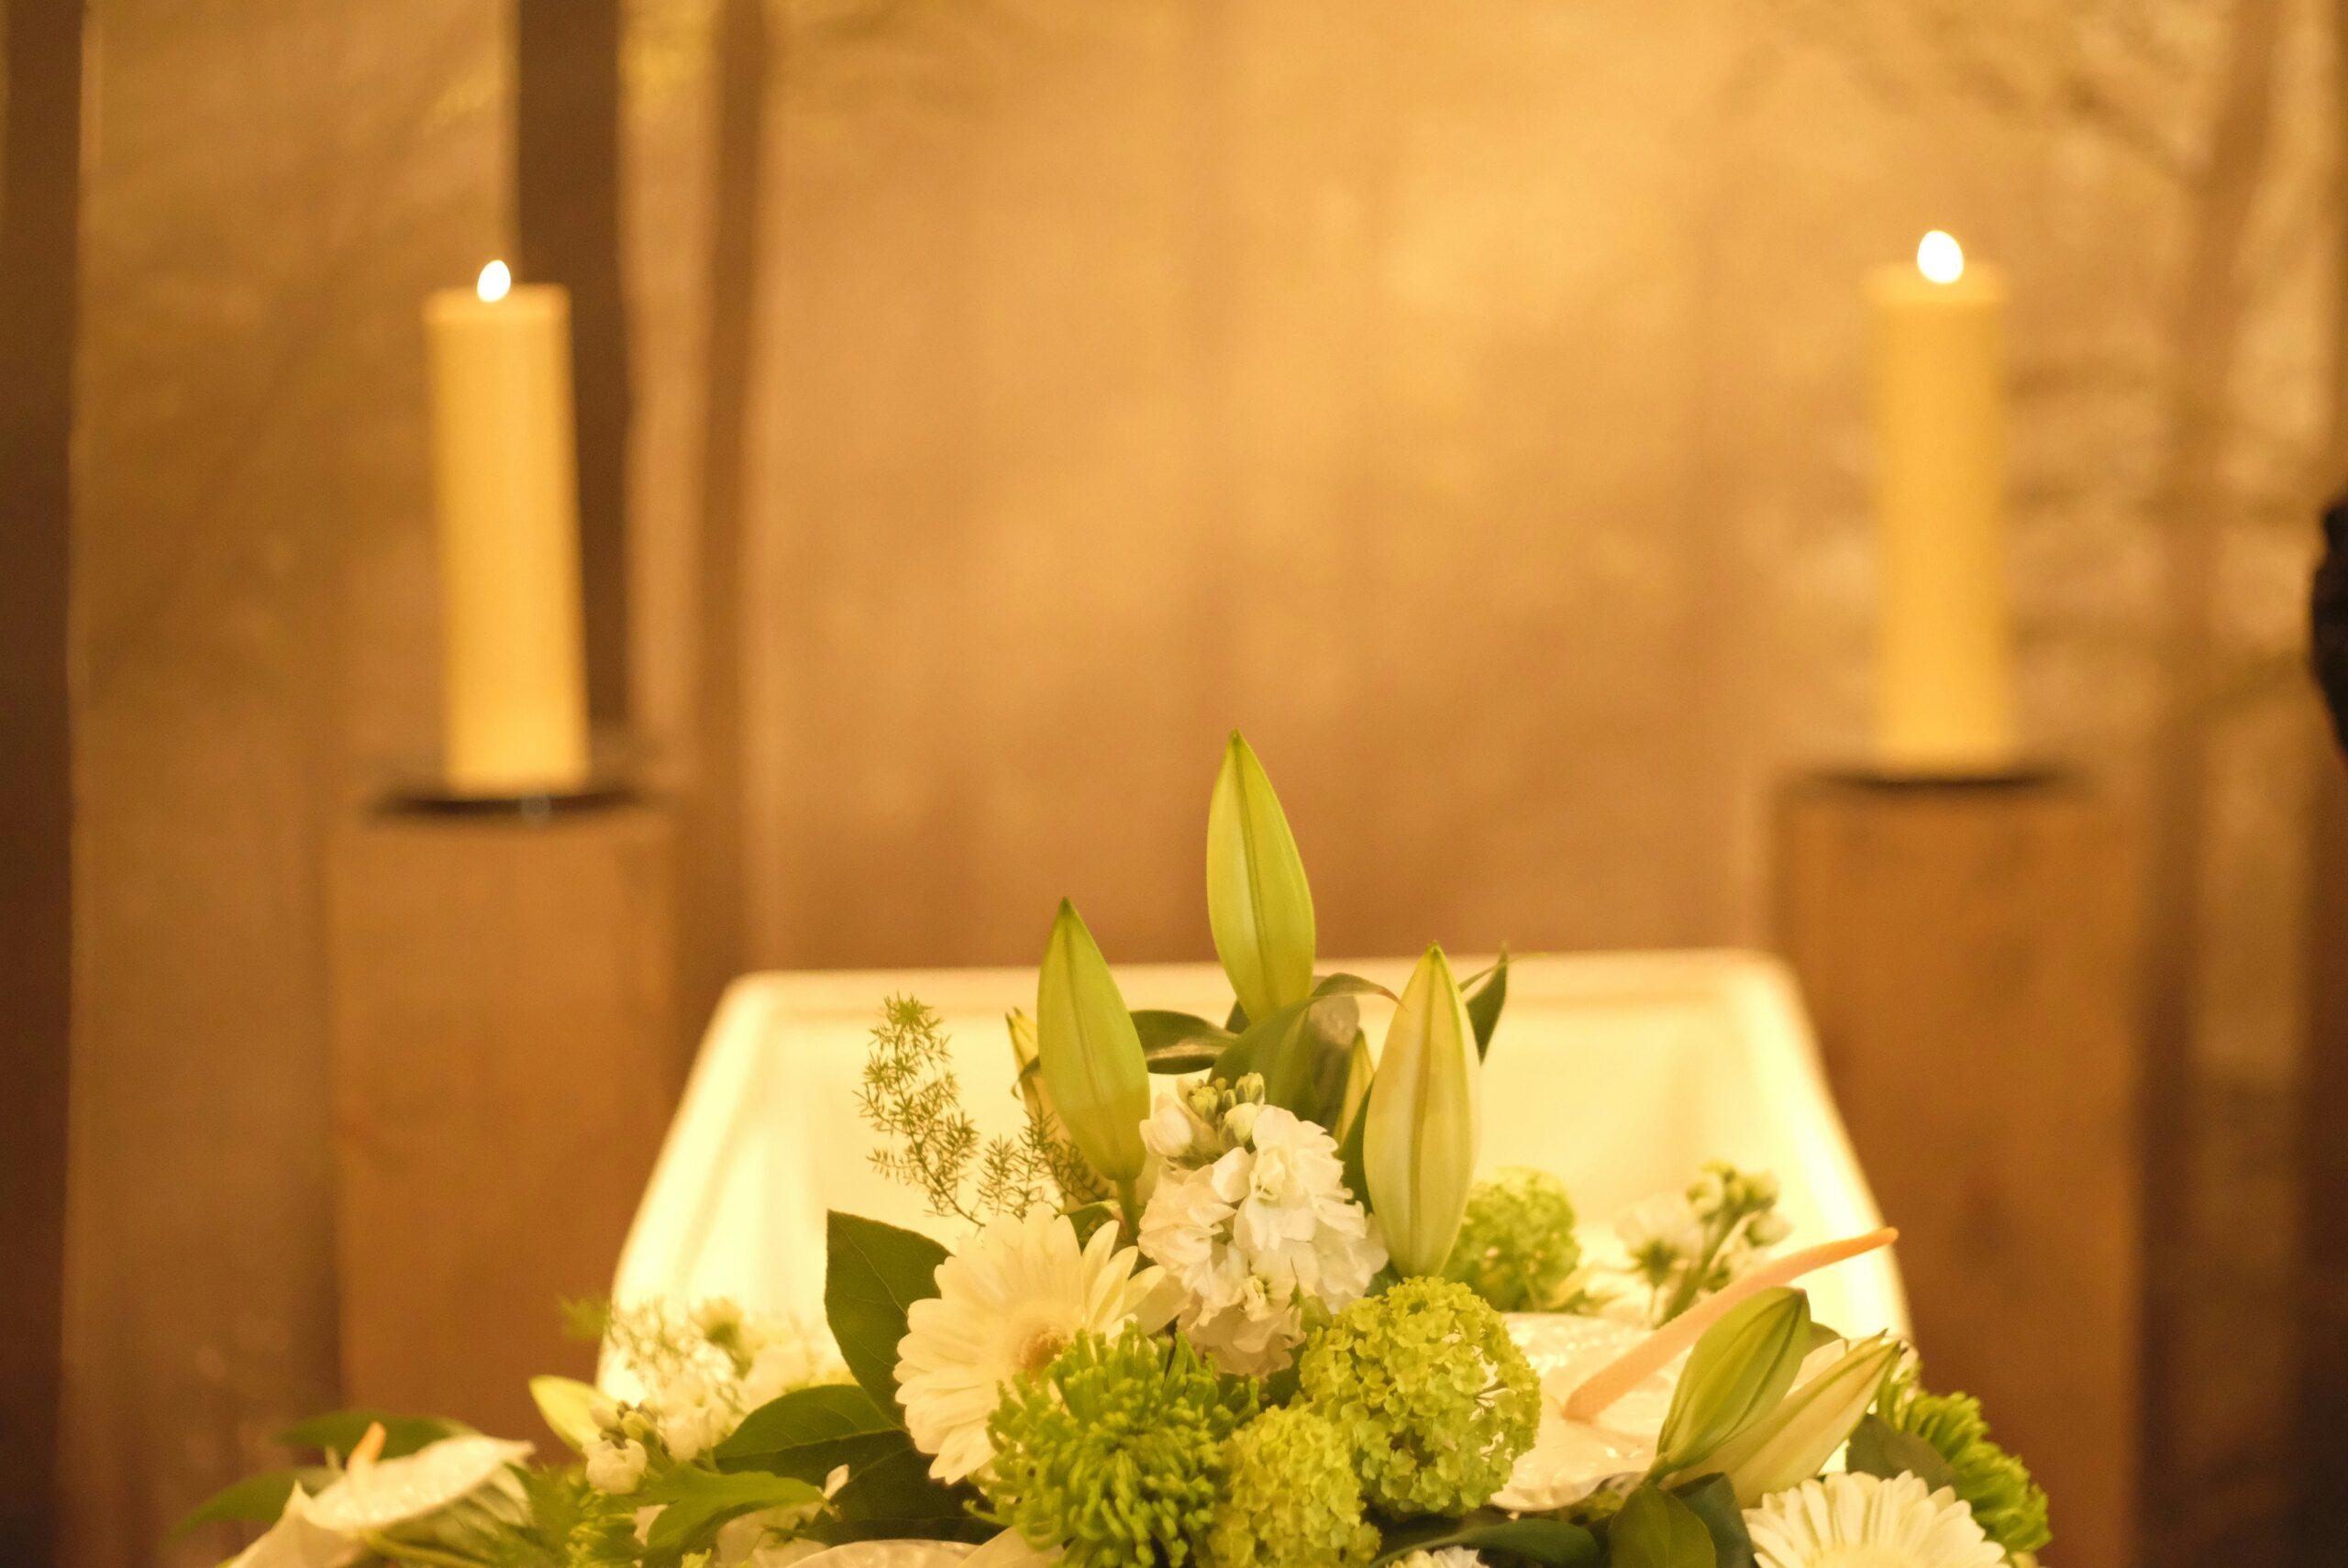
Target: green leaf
column 564, row 1403
column 1484, row 1004
column 1714, row 1500
column 1091, row 1051
column 256, row 1499
column 894, row 1495
column 1178, row 1042
column 1259, row 906
column 1879, row 1448
column 1305, row 1053
column 1737, row 1374
column 1551, row 1542
column 809, row 1433
column 875, row 1273
column 698, row 1501
column 1655, row 1530
column 341, row 1430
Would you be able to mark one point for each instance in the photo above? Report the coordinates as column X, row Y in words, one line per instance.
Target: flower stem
column 1128, row 1211
column 382, row 1545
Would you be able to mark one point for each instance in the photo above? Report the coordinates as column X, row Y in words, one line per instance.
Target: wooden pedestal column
column 506, row 1055
column 1967, row 951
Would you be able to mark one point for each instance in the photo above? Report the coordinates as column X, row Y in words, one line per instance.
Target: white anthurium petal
column 296, row 1540
column 390, row 1492
column 1421, row 1130
column 1010, row 1550
column 907, row 1554
column 1569, row 1459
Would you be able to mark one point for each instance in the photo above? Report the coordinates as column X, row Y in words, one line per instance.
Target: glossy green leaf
column 1484, row 1003
column 1258, row 904
column 1553, row 1543
column 1091, row 1053
column 1713, row 1501
column 809, row 1433
column 894, row 1497
column 873, row 1273
column 256, row 1499
column 1655, row 1530
column 1879, row 1448
column 1787, row 1446
column 697, row 1501
column 1736, row 1375
column 1178, row 1042
column 340, row 1432
column 1423, row 1120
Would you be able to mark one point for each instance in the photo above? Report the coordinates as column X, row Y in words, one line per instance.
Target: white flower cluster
column 1264, row 1229
column 1687, row 1244
column 700, row 1379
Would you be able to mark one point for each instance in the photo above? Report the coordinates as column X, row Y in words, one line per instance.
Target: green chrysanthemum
column 1430, row 1394
column 1290, row 1499
column 1116, row 1452
column 2008, row 1505
column 1516, row 1245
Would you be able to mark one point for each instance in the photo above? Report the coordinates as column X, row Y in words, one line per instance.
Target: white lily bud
column 1093, row 1068
column 1420, row 1133
column 1787, row 1446
column 1258, row 905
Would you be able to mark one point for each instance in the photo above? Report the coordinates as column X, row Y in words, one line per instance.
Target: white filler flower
column 1252, row 1238
column 1863, row 1521
column 1008, row 1303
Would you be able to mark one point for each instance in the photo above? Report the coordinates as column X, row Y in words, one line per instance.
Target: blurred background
column 985, row 405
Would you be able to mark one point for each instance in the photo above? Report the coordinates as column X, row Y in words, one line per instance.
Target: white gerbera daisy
column 1008, row 1303
column 1865, row 1521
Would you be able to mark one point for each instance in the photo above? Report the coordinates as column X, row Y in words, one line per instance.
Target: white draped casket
column 1622, row 1073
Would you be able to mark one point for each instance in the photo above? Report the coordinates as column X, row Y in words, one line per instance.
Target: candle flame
column 497, row 280
column 1940, row 258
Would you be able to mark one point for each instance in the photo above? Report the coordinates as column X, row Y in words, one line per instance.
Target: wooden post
column 1968, row 950
column 506, row 1055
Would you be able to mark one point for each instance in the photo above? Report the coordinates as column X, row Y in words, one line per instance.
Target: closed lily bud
column 1736, row 1375
column 1027, row 1066
column 1790, row 1444
column 1093, row 1068
column 1419, row 1131
column 1258, row 905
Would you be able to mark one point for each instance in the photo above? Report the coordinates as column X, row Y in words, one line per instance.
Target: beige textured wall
column 271, row 186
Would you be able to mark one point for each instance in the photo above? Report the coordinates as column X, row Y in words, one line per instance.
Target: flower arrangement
column 1263, row 1315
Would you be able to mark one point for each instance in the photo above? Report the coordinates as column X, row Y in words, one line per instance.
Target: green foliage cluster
column 1116, row 1452
column 2010, row 1507
column 1290, row 1499
column 1430, row 1393
column 1517, row 1247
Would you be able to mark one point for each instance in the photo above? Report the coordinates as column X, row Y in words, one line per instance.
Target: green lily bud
column 1258, row 905
column 1736, row 1375
column 567, row 1408
column 1787, row 1446
column 1027, row 1064
column 1419, row 1131
column 1093, row 1068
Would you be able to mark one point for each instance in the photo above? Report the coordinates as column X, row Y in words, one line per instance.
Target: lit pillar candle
column 1945, row 676
column 513, row 671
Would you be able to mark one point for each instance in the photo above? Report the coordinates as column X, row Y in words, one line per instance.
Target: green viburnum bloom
column 1516, row 1245
column 1290, row 1497
column 2007, row 1504
column 1116, row 1451
column 1428, row 1389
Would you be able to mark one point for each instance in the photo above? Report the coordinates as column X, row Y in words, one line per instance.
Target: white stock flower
column 1846, row 1521
column 615, row 1465
column 1007, row 1304
column 1257, row 1235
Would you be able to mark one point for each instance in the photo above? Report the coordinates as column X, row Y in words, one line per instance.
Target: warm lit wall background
column 1464, row 399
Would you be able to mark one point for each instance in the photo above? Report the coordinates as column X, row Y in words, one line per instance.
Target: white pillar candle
column 1945, row 691
column 513, row 671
